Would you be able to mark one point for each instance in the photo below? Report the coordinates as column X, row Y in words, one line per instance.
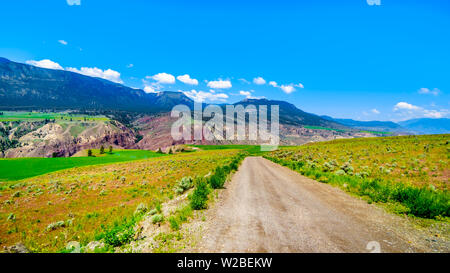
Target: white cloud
column 73, row 2
column 130, row 65
column 288, row 89
column 273, row 83
column 375, row 111
column 405, row 106
column 244, row 81
column 434, row 92
column 435, row 113
column 259, row 81
column 62, row 42
column 220, row 84
column 245, row 93
column 187, row 79
column 408, row 111
column 45, row 64
column 107, row 74
column 201, row 96
column 149, row 89
column 163, row 78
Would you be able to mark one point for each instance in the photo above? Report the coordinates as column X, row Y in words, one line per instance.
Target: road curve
column 269, row 208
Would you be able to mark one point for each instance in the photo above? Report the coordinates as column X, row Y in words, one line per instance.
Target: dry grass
column 90, row 198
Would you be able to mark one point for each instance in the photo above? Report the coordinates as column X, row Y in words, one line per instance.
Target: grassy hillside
column 410, row 172
column 21, row 168
column 87, row 203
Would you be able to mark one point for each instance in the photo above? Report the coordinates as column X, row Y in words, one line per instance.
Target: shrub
column 89, row 152
column 55, row 225
column 217, row 180
column 199, row 197
column 174, row 225
column 119, row 235
column 157, row 218
column 347, row 167
column 141, row 209
column 184, row 184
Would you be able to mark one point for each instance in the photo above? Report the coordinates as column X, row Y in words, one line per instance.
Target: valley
column 90, row 165
column 137, row 206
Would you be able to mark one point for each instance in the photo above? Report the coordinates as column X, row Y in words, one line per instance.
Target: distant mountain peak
column 4, row 60
column 247, row 100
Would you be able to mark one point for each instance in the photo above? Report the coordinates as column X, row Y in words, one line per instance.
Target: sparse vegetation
column 217, row 180
column 411, row 170
column 74, row 197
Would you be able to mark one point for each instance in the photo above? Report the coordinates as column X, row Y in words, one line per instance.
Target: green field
column 340, row 130
column 21, row 168
column 252, row 149
column 34, row 116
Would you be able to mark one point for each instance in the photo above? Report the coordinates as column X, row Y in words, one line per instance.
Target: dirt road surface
column 269, row 208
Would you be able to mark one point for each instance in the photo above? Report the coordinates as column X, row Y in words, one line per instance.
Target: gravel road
column 269, row 208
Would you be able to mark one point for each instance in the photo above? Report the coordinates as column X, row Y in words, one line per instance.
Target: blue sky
column 345, row 59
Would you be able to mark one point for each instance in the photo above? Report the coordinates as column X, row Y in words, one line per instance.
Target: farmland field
column 410, row 172
column 30, row 167
column 249, row 148
column 81, row 204
column 34, row 116
column 341, row 130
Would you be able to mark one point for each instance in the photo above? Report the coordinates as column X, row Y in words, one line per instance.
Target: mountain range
column 25, row 86
column 140, row 119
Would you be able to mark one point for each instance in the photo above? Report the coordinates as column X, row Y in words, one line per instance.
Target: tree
column 110, row 149
column 89, row 152
column 102, row 150
column 159, row 151
column 170, row 151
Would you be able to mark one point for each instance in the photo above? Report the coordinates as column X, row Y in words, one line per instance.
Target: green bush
column 184, row 184
column 199, row 197
column 174, row 223
column 217, row 180
column 120, row 233
column 157, row 218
